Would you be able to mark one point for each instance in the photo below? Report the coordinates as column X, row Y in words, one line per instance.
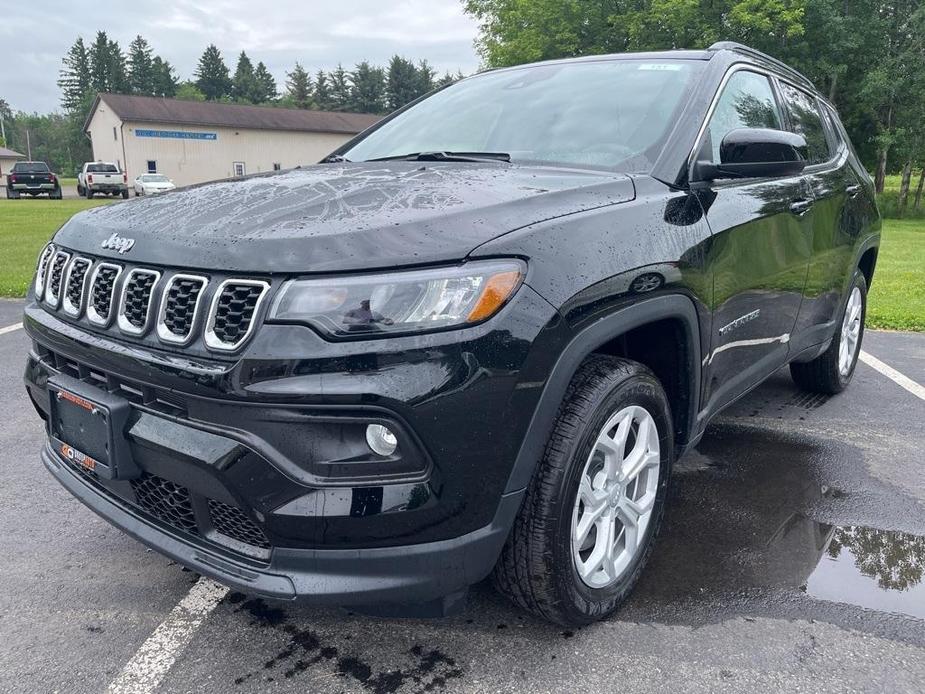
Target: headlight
column 400, row 302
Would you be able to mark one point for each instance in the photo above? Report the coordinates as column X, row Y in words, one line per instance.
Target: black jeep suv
column 472, row 341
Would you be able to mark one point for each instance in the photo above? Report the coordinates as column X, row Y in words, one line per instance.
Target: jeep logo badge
column 118, row 243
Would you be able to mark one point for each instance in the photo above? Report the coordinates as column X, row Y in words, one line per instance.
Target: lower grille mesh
column 232, row 522
column 168, row 502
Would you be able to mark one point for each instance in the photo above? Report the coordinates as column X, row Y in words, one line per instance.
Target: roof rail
column 754, row 52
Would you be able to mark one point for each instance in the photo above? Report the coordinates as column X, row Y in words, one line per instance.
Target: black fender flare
column 586, row 341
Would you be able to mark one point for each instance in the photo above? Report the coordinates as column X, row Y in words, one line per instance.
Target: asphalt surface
column 792, row 559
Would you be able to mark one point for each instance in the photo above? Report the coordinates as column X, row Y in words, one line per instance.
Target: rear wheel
column 832, row 370
column 125, row 194
column 595, row 504
column 88, row 192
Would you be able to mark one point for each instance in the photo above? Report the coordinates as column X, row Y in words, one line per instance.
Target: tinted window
column 102, row 168
column 747, row 101
column 608, row 113
column 805, row 120
column 30, row 167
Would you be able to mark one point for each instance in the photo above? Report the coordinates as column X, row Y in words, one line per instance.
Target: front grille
column 74, row 289
column 168, row 502
column 232, row 522
column 55, row 278
column 40, row 269
column 233, row 310
column 136, row 300
column 102, row 289
column 179, row 307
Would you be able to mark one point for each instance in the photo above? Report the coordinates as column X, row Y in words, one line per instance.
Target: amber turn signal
column 497, row 291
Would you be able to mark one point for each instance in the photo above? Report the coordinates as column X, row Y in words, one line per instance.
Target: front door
column 761, row 244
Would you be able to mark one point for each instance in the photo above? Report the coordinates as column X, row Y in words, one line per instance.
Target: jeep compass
column 472, row 341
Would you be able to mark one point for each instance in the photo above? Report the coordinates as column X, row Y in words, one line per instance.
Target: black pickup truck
column 32, row 178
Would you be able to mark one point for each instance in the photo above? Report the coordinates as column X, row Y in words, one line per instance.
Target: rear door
column 761, row 244
column 836, row 225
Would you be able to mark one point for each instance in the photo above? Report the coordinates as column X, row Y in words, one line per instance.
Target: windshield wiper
column 448, row 156
column 334, row 159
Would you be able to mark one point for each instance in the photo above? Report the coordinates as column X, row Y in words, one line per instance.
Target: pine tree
column 340, row 89
column 425, row 78
column 74, row 79
column 367, row 94
column 299, row 87
column 107, row 65
column 402, row 85
column 323, row 99
column 265, row 83
column 244, row 86
column 164, row 80
column 448, row 79
column 212, row 78
column 117, row 72
column 140, row 67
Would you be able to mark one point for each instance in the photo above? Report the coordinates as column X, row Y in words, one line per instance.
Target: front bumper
column 400, row 574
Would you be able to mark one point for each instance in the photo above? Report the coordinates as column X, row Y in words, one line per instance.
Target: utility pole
column 2, row 129
column 28, row 146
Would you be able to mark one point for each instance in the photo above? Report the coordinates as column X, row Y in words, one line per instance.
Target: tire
column 80, row 190
column 88, row 192
column 56, row 194
column 136, row 193
column 828, row 373
column 539, row 566
column 9, row 194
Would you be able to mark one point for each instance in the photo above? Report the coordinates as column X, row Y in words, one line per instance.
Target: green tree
column 448, row 79
column 189, row 91
column 340, row 89
column 244, row 86
column 266, row 85
column 212, row 76
column 107, row 65
column 299, row 87
column 323, row 99
column 74, row 79
column 367, row 93
column 402, row 83
column 164, row 81
column 140, row 66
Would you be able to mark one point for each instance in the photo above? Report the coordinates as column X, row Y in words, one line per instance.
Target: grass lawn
column 897, row 299
column 25, row 226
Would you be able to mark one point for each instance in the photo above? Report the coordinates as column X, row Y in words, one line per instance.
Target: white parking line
column 144, row 672
column 893, row 374
column 10, row 328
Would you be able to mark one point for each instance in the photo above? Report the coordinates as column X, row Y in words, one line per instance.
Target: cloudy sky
column 318, row 33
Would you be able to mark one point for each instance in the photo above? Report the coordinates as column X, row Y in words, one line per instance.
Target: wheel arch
column 597, row 337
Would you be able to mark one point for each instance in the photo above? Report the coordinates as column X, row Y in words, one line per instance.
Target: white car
column 152, row 184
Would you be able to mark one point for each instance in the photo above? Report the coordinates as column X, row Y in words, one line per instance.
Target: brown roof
column 153, row 109
column 10, row 154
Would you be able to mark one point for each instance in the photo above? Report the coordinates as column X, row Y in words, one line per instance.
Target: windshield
column 609, row 113
column 102, row 168
column 30, row 167
column 154, row 179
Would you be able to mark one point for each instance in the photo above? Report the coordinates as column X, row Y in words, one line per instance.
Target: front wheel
column 831, row 371
column 596, row 500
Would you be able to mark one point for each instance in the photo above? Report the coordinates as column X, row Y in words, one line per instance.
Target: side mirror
column 756, row 153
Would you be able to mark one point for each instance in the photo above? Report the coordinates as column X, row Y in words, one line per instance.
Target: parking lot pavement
column 792, row 559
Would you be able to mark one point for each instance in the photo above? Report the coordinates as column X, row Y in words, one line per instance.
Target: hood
column 337, row 217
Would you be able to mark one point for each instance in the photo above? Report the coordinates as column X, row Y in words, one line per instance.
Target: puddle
column 871, row 568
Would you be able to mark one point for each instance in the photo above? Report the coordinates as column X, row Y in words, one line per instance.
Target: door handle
column 800, row 207
column 853, row 191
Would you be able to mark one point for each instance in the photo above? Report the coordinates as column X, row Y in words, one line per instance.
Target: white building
column 195, row 141
column 7, row 158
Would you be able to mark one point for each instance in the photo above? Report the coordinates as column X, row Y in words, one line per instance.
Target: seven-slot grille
column 137, row 299
column 135, row 309
column 179, row 307
column 233, row 309
column 72, row 301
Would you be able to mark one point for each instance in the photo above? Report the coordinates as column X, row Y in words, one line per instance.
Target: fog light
column 381, row 440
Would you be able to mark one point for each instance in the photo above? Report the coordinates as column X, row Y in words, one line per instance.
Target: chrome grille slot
column 102, row 291
column 135, row 306
column 76, row 280
column 56, row 278
column 231, row 316
column 180, row 308
column 40, row 269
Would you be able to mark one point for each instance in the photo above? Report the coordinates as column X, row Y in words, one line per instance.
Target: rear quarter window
column 806, row 120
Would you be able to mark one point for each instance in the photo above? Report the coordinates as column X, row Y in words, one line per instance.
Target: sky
column 317, row 33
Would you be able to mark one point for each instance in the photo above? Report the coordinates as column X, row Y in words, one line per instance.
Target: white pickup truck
column 101, row 177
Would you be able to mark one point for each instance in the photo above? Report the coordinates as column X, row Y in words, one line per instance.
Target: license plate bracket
column 87, row 426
